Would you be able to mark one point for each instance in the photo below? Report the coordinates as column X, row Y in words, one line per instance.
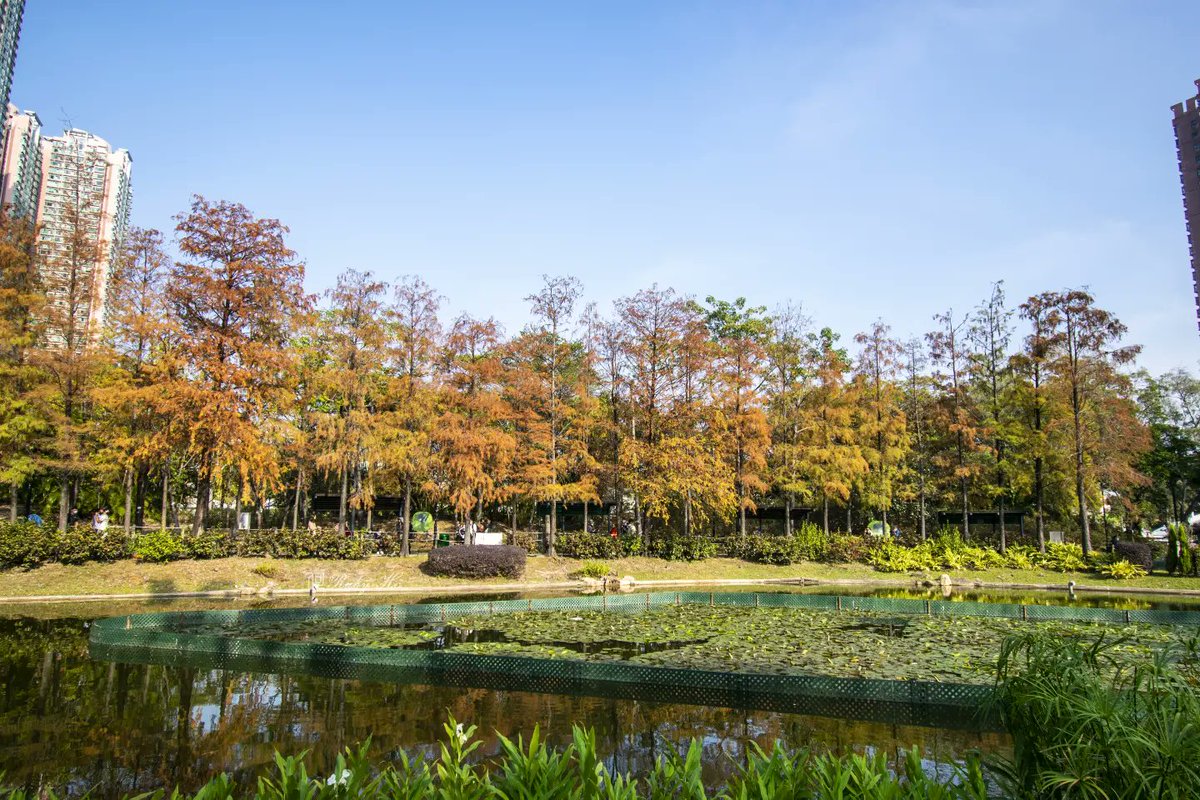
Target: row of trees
column 214, row 373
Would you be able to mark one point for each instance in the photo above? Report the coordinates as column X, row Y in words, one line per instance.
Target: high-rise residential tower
column 21, row 163
column 11, row 12
column 83, row 212
column 1187, row 145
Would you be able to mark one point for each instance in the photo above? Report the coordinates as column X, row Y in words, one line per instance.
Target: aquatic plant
column 1087, row 724
column 535, row 771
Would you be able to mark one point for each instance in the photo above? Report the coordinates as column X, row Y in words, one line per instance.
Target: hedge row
column 23, row 544
column 476, row 561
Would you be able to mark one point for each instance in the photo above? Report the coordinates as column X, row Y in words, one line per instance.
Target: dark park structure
column 1187, row 145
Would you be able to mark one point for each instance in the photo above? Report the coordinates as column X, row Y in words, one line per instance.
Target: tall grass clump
column 1085, row 726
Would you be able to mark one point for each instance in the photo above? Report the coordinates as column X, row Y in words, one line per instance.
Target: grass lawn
column 264, row 574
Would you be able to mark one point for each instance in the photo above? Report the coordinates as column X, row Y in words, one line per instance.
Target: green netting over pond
column 676, row 650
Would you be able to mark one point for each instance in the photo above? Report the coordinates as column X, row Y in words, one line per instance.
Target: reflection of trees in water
column 77, row 723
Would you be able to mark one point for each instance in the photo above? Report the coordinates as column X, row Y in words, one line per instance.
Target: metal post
column 1024, row 613
column 839, row 602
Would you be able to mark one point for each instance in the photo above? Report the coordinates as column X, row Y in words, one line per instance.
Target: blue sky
column 862, row 159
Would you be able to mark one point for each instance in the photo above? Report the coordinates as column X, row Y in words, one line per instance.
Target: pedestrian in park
column 312, row 526
column 73, row 516
column 102, row 521
column 35, row 518
column 896, row 532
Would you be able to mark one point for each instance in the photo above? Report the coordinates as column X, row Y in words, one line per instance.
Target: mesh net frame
column 152, row 638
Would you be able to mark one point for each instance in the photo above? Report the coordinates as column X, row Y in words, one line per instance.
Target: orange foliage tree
column 236, row 296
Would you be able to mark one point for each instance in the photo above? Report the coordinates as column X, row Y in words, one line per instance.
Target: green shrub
column 807, row 543
column 211, row 543
column 1019, row 556
column 677, row 547
column 811, row 542
column 579, row 544
column 1135, row 553
column 1121, row 570
column 266, row 570
column 527, row 540
column 24, row 544
column 592, row 569
column 889, row 556
column 846, row 548
column 1062, row 557
column 302, row 543
column 81, row 544
column 766, row 549
column 159, row 546
column 1187, row 559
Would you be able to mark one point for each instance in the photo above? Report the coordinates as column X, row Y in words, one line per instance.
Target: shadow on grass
column 161, row 586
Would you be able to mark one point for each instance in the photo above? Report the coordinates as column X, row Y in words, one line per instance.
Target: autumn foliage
column 215, row 379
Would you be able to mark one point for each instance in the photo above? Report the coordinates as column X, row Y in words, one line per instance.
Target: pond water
column 78, row 725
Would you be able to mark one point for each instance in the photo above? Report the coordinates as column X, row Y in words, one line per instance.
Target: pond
column 739, row 639
column 79, row 724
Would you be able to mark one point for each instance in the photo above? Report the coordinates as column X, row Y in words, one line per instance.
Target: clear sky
column 864, row 159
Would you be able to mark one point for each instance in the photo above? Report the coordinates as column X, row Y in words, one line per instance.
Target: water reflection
column 71, row 722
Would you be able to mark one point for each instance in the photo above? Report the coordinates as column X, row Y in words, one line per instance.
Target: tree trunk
column 64, row 502
column 166, row 482
column 921, row 503
column 407, row 521
column 203, row 493
column 296, row 499
column 825, row 512
column 585, row 516
column 128, row 500
column 687, row 513
column 1039, row 492
column 13, row 499
column 966, row 509
column 641, row 530
column 354, row 510
column 237, row 505
column 344, row 493
column 1084, row 525
column 1003, row 532
column 553, row 528
column 787, row 522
